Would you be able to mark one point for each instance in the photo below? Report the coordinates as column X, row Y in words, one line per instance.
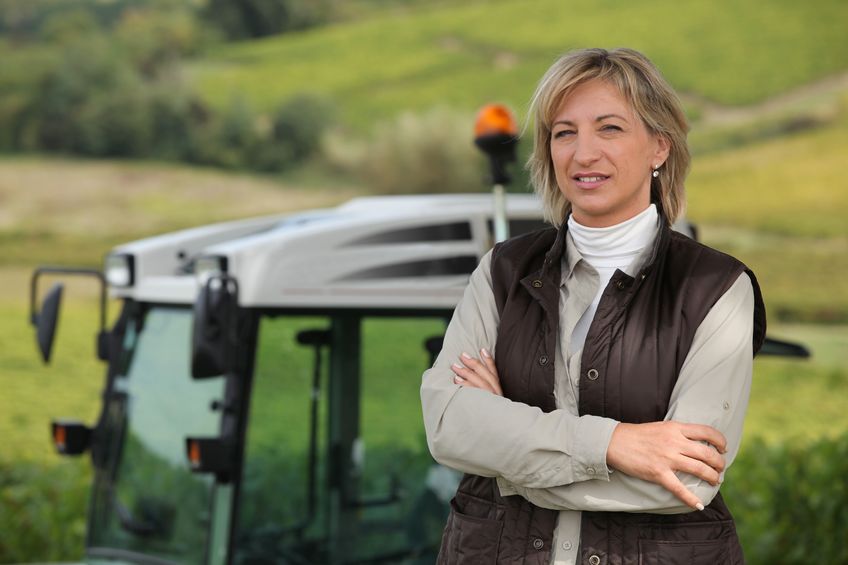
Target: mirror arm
column 102, row 345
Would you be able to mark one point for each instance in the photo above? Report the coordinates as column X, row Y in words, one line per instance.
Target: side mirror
column 214, row 331
column 46, row 320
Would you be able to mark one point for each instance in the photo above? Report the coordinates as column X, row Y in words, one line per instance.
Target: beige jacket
column 558, row 460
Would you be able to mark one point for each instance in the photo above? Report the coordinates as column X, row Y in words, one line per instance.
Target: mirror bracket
column 46, row 319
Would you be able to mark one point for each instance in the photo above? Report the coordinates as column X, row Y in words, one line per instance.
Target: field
column 466, row 55
column 766, row 87
column 771, row 197
column 745, row 201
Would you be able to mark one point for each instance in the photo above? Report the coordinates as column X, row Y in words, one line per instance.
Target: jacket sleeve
column 713, row 389
column 477, row 432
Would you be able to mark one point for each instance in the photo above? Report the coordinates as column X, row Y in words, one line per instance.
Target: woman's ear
column 663, row 149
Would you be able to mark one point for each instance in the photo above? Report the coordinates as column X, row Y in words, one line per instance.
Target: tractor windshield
column 147, row 505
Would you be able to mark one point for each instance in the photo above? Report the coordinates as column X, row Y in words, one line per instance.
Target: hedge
column 790, row 503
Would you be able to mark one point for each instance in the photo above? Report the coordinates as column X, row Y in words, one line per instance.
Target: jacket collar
column 543, row 284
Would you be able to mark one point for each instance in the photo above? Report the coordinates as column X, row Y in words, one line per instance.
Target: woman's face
column 603, row 155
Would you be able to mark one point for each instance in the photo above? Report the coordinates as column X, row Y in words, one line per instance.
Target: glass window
column 400, row 508
column 275, row 524
column 396, row 463
column 147, row 500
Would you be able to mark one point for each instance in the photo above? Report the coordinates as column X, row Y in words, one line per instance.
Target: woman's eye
column 563, row 133
column 611, row 127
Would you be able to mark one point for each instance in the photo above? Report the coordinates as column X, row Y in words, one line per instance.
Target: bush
column 115, row 123
column 87, row 70
column 239, row 19
column 791, row 501
column 415, row 153
column 234, row 136
column 42, row 510
column 295, row 133
column 154, row 40
column 121, row 93
column 178, row 122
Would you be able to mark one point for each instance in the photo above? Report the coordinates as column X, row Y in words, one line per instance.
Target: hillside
column 72, row 211
column 722, row 52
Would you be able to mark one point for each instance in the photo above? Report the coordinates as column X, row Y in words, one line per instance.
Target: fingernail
column 699, row 506
column 485, row 353
column 457, row 379
column 457, row 366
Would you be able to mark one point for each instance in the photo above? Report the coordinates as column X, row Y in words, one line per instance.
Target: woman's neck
column 615, row 244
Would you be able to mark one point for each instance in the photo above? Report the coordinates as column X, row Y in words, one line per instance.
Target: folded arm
column 712, row 389
column 478, row 432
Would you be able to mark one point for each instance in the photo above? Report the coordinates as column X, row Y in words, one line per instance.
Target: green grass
column 469, row 54
column 792, row 185
column 35, row 394
column 780, row 206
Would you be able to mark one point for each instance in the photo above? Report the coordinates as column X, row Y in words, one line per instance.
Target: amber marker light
column 70, row 437
column 194, row 453
column 495, row 119
column 496, row 134
column 59, row 437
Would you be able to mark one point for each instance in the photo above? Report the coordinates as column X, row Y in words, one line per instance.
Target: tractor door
column 336, row 466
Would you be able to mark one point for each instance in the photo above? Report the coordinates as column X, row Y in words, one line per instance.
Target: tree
column 239, row 19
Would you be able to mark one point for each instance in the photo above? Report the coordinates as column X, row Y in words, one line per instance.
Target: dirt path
column 818, row 97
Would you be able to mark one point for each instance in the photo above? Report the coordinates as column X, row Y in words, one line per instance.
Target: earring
column 656, row 172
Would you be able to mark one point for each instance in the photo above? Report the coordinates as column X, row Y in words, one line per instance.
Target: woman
column 595, row 377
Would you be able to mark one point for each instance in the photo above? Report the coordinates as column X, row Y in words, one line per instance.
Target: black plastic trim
column 456, row 231
column 445, row 266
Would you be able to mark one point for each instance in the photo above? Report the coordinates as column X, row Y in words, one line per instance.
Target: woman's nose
column 586, row 150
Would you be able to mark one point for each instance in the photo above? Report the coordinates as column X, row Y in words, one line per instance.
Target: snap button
column 594, row 560
column 726, row 405
column 592, row 374
column 591, row 470
column 620, row 284
column 566, row 545
column 538, row 543
column 536, row 283
column 543, row 360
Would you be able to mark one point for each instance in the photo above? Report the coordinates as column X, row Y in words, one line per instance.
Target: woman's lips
column 590, row 181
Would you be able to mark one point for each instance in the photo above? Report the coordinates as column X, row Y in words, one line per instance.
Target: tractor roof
column 387, row 252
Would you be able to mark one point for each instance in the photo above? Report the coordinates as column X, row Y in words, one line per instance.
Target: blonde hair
column 651, row 98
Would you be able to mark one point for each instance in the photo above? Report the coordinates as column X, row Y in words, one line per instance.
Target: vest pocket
column 657, row 552
column 470, row 538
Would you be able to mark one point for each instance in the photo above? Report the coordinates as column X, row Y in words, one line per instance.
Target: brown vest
column 636, row 345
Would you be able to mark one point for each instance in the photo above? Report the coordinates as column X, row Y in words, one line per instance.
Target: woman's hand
column 478, row 374
column 654, row 451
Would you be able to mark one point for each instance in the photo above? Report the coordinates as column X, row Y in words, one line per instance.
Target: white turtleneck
column 607, row 249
